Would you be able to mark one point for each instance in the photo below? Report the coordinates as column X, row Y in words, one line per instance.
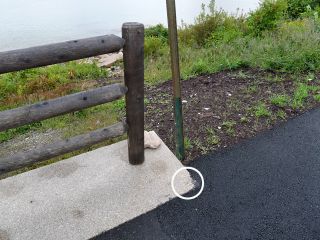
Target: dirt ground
column 222, row 109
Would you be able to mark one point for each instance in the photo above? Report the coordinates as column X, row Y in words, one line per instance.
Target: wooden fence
column 132, row 43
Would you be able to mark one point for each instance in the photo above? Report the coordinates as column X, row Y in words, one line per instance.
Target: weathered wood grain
column 21, row 59
column 133, row 33
column 42, row 153
column 55, row 107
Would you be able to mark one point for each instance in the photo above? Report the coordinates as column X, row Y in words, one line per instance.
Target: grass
column 212, row 138
column 280, row 100
column 74, row 123
column 261, row 110
column 297, row 101
column 47, row 79
column 317, row 97
column 281, row 51
column 275, row 79
column 33, row 85
column 281, row 114
column 187, row 143
column 252, row 89
column 300, row 95
column 241, row 74
column 202, row 147
column 71, row 125
column 11, row 133
column 228, row 126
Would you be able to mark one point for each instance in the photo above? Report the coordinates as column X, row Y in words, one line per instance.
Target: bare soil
column 220, row 109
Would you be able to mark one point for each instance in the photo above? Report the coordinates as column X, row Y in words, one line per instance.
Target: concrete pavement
column 80, row 197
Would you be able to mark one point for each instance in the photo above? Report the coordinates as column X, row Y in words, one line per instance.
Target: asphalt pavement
column 267, row 187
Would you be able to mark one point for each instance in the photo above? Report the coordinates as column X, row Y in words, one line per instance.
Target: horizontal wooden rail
column 59, row 106
column 16, row 60
column 46, row 152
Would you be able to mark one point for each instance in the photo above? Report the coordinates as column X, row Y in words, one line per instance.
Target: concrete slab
column 85, row 195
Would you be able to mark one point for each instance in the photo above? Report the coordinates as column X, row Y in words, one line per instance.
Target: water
column 25, row 23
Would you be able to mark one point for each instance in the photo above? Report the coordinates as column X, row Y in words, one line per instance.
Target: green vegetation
column 280, row 100
column 212, row 138
column 229, row 126
column 261, row 110
column 11, row 133
column 301, row 93
column 302, row 8
column 299, row 97
column 187, row 143
column 273, row 37
column 281, row 35
column 267, row 17
column 48, row 79
column 202, row 147
column 33, row 85
column 281, row 114
column 317, row 97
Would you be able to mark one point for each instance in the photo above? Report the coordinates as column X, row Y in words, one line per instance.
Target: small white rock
column 151, row 140
column 107, row 60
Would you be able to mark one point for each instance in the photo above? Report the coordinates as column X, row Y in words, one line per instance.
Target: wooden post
column 133, row 57
column 175, row 68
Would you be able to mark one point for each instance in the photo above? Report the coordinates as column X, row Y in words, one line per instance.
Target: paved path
column 264, row 188
column 82, row 196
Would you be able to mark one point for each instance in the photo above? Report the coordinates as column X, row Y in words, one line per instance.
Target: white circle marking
column 182, row 197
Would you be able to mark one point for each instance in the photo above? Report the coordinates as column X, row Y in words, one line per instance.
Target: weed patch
column 261, row 110
column 280, row 100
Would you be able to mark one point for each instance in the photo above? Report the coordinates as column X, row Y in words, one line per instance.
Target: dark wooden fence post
column 133, row 33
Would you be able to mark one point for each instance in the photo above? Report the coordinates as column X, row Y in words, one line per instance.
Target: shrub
column 158, row 31
column 224, row 35
column 156, row 38
column 153, row 46
column 213, row 26
column 296, row 8
column 267, row 16
column 204, row 25
column 294, row 47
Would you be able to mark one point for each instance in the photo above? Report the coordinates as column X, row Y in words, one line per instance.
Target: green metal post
column 175, row 67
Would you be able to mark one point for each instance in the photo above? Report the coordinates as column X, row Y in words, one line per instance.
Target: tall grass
column 47, row 78
column 268, row 38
